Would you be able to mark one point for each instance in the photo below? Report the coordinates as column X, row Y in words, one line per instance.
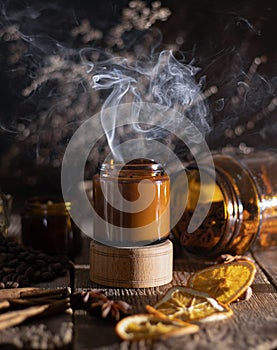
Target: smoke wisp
column 159, row 79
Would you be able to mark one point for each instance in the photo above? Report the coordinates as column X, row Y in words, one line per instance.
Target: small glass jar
column 145, row 216
column 47, row 226
column 5, row 212
column 243, row 209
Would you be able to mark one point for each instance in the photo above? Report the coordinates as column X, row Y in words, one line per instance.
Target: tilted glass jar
column 132, row 203
column 243, row 209
column 47, row 226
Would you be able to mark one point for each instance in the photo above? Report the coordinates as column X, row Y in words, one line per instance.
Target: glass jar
column 243, row 208
column 132, row 203
column 5, row 211
column 47, row 226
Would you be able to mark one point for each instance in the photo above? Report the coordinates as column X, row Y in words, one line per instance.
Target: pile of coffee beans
column 22, row 266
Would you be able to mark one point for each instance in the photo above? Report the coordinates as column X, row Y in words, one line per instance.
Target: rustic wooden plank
column 92, row 333
column 253, row 326
column 60, row 282
column 267, row 259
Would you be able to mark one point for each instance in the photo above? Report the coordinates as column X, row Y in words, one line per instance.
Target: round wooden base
column 135, row 267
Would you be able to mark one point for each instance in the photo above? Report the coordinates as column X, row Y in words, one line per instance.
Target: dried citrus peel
column 224, row 282
column 146, row 326
column 190, row 305
column 212, row 289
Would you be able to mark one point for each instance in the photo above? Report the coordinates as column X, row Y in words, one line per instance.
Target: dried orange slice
column 190, row 305
column 224, row 282
column 145, row 326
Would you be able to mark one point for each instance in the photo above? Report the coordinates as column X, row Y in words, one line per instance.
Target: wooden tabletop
column 253, row 325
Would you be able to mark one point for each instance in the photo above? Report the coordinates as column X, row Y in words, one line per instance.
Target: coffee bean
column 8, row 270
column 21, row 265
column 62, row 259
column 46, row 276
column 44, row 269
column 9, row 284
column 25, row 282
column 14, row 276
column 7, row 278
column 57, row 266
column 29, row 272
column 14, row 250
column 40, row 263
column 36, row 276
column 13, row 263
column 21, row 268
column 23, row 254
column 15, row 285
column 11, row 243
column 10, row 256
column 20, row 278
column 42, row 256
column 30, row 258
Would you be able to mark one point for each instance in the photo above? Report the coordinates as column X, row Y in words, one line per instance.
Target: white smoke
column 162, row 80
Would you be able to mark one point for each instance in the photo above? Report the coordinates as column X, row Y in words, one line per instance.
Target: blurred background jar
column 241, row 212
column 47, row 226
column 5, row 211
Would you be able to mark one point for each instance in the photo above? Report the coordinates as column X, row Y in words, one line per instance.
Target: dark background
column 221, row 37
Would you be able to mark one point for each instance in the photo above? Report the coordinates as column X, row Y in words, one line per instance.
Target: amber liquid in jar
column 133, row 226
column 47, row 226
column 243, row 208
column 209, row 231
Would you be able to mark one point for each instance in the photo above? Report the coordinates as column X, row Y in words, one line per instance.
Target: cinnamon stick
column 4, row 305
column 13, row 318
column 38, row 293
column 11, row 293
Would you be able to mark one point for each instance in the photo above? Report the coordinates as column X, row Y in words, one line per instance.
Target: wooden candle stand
column 131, row 267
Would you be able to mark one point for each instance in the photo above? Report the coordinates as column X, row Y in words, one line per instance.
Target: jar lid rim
column 133, row 166
column 47, row 202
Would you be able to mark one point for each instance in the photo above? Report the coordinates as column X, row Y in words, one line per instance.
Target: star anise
column 98, row 304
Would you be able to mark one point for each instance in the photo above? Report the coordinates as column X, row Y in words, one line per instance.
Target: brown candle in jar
column 146, row 225
column 242, row 210
column 47, row 226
